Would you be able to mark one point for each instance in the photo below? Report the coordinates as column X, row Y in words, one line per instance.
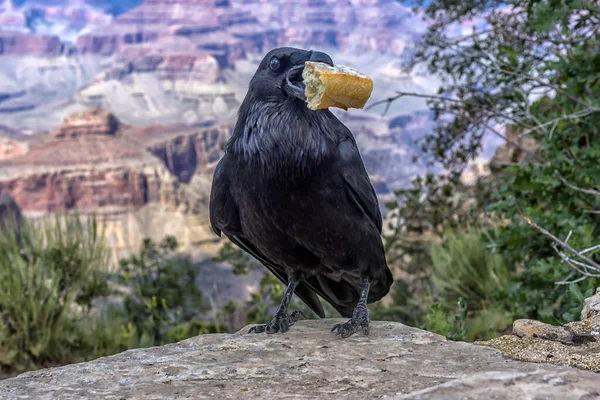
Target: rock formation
column 87, row 123
column 11, row 147
column 10, row 17
column 18, row 43
column 577, row 344
column 74, row 15
column 395, row 361
column 228, row 29
column 189, row 62
column 95, row 164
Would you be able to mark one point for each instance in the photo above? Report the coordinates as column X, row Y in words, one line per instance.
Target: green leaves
column 452, row 325
column 535, row 68
column 464, row 268
column 164, row 300
column 54, row 266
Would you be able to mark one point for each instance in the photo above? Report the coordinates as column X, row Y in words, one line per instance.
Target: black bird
column 292, row 191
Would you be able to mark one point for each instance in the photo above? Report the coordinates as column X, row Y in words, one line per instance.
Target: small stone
column 536, row 329
column 591, row 307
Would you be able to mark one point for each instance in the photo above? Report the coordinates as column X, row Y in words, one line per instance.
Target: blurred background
column 114, row 113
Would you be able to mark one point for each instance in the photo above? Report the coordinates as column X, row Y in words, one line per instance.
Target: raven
column 292, row 191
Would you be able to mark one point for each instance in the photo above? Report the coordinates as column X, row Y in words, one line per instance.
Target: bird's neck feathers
column 284, row 134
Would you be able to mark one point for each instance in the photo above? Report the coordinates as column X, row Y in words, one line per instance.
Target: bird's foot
column 360, row 319
column 280, row 323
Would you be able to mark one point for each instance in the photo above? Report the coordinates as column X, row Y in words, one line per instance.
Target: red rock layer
column 93, row 163
column 17, row 43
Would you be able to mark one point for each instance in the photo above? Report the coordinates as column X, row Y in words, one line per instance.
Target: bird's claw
column 280, row 323
column 360, row 319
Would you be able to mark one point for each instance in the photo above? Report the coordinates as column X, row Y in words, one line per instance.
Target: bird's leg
column 281, row 321
column 360, row 316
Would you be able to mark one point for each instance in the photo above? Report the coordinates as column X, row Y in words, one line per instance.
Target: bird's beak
column 295, row 83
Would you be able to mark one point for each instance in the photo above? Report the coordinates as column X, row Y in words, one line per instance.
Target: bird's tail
column 381, row 286
column 343, row 295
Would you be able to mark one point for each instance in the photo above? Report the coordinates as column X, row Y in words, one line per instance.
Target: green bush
column 47, row 284
column 54, row 281
column 164, row 304
column 463, row 267
column 466, row 269
column 451, row 326
column 533, row 293
column 532, row 78
column 462, row 297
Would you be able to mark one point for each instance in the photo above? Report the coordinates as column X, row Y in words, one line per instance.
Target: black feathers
column 293, row 192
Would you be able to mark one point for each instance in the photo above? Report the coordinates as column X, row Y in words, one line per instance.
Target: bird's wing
column 224, row 218
column 223, row 212
column 358, row 186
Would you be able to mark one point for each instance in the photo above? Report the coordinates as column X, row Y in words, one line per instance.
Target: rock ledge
column 395, row 361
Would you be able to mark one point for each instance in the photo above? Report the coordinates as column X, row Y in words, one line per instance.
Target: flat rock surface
column 514, row 385
column 306, row 362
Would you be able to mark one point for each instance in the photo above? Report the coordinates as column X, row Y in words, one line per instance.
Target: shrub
column 463, row 267
column 462, row 297
column 164, row 304
column 47, row 283
column 466, row 269
column 53, row 278
column 451, row 326
column 545, row 185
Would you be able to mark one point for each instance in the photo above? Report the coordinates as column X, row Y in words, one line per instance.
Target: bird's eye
column 274, row 64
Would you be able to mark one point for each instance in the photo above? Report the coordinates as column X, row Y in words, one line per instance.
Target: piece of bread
column 339, row 86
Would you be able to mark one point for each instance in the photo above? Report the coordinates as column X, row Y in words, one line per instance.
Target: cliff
column 189, row 62
column 95, row 163
column 20, row 43
column 395, row 361
column 141, row 182
column 10, row 147
column 228, row 29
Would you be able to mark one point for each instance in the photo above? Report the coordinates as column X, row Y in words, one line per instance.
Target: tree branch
column 583, row 268
column 576, row 188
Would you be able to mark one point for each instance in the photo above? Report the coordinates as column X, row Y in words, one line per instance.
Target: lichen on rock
column 576, row 344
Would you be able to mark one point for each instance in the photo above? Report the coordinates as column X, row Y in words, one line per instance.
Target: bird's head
column 279, row 75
